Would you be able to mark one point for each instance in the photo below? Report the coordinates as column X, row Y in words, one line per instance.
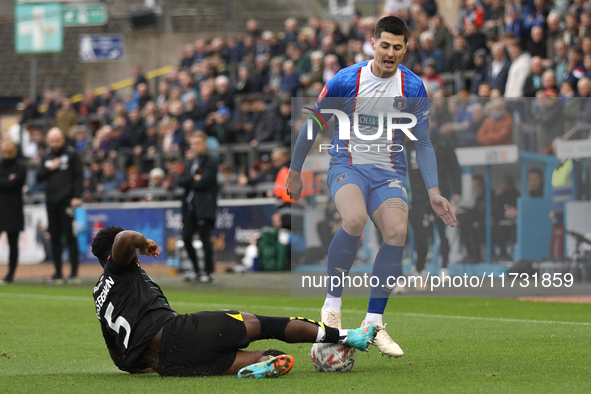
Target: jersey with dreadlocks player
column 131, row 309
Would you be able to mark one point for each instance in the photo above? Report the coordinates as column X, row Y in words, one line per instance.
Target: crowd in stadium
column 237, row 89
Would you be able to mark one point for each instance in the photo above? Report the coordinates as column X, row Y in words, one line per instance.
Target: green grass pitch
column 50, row 341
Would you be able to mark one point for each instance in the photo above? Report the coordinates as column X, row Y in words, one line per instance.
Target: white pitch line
column 208, row 306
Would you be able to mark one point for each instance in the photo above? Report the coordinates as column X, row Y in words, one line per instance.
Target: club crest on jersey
column 400, row 103
column 342, row 177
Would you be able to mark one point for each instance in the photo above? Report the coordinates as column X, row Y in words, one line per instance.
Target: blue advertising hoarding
column 236, row 224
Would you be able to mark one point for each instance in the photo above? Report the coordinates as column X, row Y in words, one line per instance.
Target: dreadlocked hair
column 103, row 242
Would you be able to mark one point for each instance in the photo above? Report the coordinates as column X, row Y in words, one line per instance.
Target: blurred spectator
column 244, row 83
column 472, row 222
column 138, row 75
column 554, row 32
column 535, row 183
column 512, row 22
column 156, row 178
column 317, row 68
column 66, row 117
column 412, row 57
column 80, row 137
column 461, row 59
column 432, row 81
column 475, row 39
column 480, row 71
column 88, row 104
column 223, row 96
column 163, row 91
column 548, row 115
column 29, row 110
column 518, row 71
column 187, row 56
column 469, row 137
column 504, row 228
column 274, row 124
column 494, row 16
column 135, row 180
column 571, row 31
column 574, row 67
column 226, row 176
column 218, row 125
column 109, row 179
column 92, row 176
column 534, row 81
column 536, row 45
column 391, row 7
column 290, row 81
column 560, row 61
column 473, row 13
column 498, row 69
column 497, row 128
column 174, row 168
column 429, row 52
column 537, row 17
column 331, row 67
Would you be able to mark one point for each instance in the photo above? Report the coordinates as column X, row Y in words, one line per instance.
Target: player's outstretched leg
column 387, row 266
column 299, row 329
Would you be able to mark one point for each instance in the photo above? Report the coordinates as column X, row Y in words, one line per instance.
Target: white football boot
column 331, row 318
column 385, row 344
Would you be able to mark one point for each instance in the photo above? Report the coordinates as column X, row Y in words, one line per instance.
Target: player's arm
column 117, row 356
column 303, row 144
column 126, row 243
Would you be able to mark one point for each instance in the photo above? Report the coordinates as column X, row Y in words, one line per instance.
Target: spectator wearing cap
column 480, row 69
column 219, row 126
column 518, row 71
column 265, row 172
column 498, row 69
column 428, row 51
column 534, row 81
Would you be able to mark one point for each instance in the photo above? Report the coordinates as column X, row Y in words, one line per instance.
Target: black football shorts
column 201, row 343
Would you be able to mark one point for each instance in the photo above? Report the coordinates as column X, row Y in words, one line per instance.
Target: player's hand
column 443, row 208
column 150, row 249
column 294, row 185
column 75, row 202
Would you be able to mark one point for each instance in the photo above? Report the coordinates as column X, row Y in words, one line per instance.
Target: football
column 329, row 357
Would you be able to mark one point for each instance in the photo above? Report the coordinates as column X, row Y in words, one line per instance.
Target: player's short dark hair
column 393, row 25
column 103, row 242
